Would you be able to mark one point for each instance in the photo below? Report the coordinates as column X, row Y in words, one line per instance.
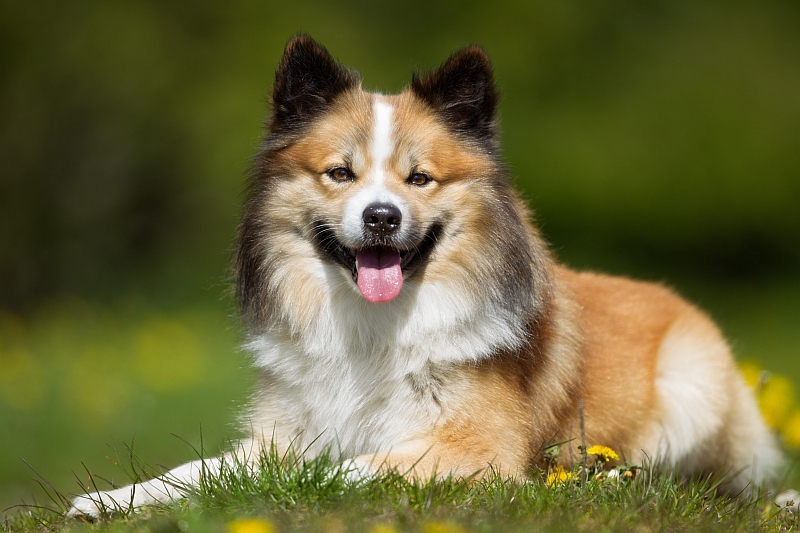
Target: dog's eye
column 419, row 179
column 340, row 174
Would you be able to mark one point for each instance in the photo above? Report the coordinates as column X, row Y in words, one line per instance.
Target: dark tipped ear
column 463, row 91
column 307, row 80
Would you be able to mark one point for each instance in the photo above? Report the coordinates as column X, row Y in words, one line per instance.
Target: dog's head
column 381, row 189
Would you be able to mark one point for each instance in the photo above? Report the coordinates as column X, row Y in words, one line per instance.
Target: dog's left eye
column 340, row 174
column 419, row 178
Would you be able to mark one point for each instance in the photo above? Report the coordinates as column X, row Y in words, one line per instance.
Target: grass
column 290, row 493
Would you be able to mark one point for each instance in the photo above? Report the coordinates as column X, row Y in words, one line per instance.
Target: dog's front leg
column 176, row 483
column 423, row 460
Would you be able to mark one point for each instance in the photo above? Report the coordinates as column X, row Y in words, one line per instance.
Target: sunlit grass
column 290, row 493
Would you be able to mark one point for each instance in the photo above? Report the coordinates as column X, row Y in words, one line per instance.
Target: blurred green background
column 654, row 139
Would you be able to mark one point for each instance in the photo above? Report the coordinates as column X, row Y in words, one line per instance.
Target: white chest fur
column 360, row 376
column 359, row 403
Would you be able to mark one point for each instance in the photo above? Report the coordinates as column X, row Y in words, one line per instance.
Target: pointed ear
column 306, row 82
column 462, row 90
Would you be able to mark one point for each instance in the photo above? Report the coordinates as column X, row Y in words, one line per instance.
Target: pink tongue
column 379, row 276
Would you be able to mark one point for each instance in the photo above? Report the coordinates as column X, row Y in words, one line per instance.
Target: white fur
column 693, row 397
column 431, row 321
column 344, row 381
column 707, row 410
column 382, row 143
column 176, row 483
column 788, row 499
column 373, row 187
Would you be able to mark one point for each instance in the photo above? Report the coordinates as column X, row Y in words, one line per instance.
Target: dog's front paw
column 176, row 483
column 788, row 499
column 84, row 506
column 120, row 501
column 101, row 504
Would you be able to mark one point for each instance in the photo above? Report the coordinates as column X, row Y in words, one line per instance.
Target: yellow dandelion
column 776, row 400
column 751, row 372
column 251, row 525
column 791, row 430
column 558, row 476
column 603, row 453
column 443, row 527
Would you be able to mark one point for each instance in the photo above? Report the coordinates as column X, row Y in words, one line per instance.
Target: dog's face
column 381, row 184
column 386, row 190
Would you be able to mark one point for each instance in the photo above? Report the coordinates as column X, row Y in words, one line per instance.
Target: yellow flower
column 791, row 430
column 558, row 476
column 443, row 527
column 776, row 400
column 603, row 453
column 751, row 373
column 251, row 525
column 776, row 395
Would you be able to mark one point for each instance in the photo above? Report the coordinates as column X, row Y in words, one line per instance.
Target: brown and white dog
column 403, row 310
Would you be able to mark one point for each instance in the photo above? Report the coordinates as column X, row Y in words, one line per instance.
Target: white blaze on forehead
column 374, row 189
column 382, row 144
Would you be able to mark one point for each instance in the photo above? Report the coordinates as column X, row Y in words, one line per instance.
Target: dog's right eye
column 340, row 174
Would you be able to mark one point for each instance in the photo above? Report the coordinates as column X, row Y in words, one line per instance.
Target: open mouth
column 378, row 270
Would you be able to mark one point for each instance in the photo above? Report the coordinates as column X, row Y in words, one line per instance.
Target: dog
column 402, row 308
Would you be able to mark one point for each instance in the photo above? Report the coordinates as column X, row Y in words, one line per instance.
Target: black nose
column 382, row 219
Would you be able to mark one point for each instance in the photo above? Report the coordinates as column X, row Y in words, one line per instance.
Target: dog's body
column 403, row 311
